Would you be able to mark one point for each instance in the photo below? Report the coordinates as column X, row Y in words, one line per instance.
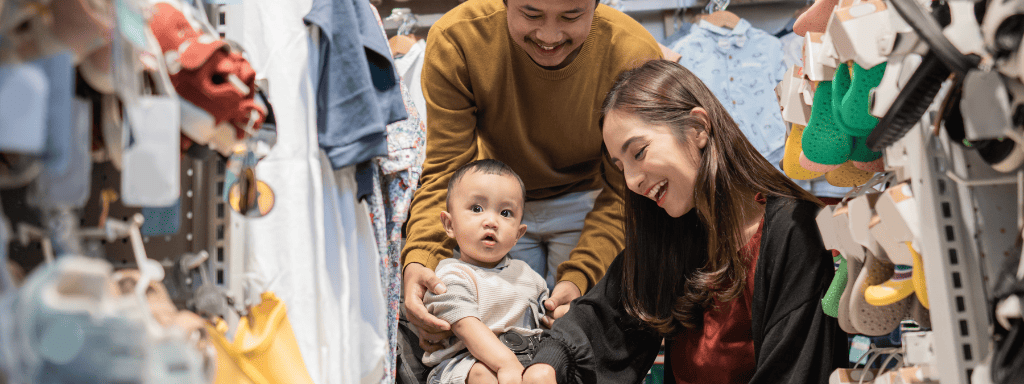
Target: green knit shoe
column 840, row 87
column 855, row 109
column 830, row 303
column 861, row 152
column 823, row 141
column 864, row 158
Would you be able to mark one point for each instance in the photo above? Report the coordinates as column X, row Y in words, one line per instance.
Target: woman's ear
column 702, row 132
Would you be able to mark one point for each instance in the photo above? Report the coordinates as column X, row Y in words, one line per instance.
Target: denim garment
column 553, row 228
column 356, row 85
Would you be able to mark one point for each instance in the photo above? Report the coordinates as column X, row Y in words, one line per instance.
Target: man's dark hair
column 485, row 166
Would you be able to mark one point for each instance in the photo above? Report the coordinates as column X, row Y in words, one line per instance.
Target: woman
column 723, row 258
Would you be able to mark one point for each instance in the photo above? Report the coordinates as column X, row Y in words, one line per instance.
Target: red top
column 723, row 351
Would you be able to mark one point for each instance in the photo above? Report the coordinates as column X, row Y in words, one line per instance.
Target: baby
column 489, row 294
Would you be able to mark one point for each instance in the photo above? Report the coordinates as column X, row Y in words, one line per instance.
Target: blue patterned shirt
column 741, row 66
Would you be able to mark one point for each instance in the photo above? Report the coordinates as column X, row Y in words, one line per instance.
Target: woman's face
column 655, row 162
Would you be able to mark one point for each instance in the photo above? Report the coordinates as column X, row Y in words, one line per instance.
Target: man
column 523, row 82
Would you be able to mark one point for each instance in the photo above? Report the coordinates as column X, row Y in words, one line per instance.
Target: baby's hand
column 511, row 375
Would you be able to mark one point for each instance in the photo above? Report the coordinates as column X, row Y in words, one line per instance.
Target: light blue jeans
column 553, row 228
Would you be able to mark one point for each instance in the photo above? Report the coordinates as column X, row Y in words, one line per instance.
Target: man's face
column 550, row 31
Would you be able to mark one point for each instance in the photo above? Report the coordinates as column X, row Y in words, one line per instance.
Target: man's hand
column 539, row 374
column 416, row 280
column 558, row 304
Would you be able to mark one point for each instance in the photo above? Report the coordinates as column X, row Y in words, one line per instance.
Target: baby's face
column 485, row 217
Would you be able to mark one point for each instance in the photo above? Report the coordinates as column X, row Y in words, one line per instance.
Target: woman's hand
column 539, row 374
column 416, row 280
column 558, row 304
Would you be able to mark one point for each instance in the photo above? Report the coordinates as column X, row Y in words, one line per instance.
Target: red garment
column 723, row 351
column 830, row 200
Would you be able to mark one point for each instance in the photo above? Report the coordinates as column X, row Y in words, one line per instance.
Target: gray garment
column 357, row 93
column 505, row 298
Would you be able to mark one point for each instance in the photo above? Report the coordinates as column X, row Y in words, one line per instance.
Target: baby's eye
column 477, row 209
column 506, row 212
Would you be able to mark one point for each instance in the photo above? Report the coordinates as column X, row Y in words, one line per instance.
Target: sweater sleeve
column 794, row 341
column 451, row 143
column 597, row 341
column 602, row 236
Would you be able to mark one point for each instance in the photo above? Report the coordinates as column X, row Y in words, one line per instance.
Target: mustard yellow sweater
column 487, row 99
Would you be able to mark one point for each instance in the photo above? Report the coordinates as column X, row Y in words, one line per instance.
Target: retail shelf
column 958, row 227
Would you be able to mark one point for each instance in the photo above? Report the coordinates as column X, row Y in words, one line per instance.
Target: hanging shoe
column 791, row 158
column 823, row 141
column 811, row 166
column 815, row 18
column 848, row 176
column 869, row 319
column 897, row 288
column 854, row 268
column 863, row 158
column 830, row 302
column 854, row 107
column 920, row 288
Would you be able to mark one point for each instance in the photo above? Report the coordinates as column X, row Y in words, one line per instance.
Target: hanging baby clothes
column 357, row 93
column 352, row 256
column 410, row 69
column 397, row 178
column 394, row 180
column 287, row 246
column 741, row 66
column 792, row 47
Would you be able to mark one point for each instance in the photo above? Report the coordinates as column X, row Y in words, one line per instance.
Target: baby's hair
column 486, row 166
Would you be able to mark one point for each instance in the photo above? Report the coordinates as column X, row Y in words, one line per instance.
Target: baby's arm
column 484, row 345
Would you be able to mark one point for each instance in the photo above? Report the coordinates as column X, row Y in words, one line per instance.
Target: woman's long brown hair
column 675, row 267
